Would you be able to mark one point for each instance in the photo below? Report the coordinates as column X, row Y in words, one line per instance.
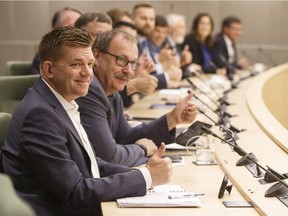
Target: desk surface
column 207, row 179
column 199, row 179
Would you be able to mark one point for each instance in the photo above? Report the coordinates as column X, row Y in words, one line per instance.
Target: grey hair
column 173, row 18
column 104, row 39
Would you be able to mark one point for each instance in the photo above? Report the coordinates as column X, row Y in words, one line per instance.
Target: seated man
column 224, row 52
column 46, row 151
column 97, row 22
column 116, row 59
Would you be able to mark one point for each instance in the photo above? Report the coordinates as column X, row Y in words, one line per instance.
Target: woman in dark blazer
column 200, row 42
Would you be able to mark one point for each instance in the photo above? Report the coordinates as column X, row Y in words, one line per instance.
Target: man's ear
column 96, row 54
column 47, row 69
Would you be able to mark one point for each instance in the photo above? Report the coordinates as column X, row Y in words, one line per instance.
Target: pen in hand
column 189, row 195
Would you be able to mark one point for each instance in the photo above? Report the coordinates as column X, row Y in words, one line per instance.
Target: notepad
column 158, row 197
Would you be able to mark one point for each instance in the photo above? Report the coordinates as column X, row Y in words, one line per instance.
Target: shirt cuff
column 146, row 174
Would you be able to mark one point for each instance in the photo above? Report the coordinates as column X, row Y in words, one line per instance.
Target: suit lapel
column 44, row 90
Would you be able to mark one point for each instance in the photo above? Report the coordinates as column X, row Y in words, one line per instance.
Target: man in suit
column 116, row 60
column 47, row 152
column 144, row 16
column 144, row 83
column 224, row 52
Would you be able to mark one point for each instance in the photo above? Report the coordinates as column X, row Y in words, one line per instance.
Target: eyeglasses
column 123, row 62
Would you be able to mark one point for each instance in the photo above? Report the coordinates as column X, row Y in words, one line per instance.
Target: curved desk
column 207, row 179
column 268, row 102
column 264, row 136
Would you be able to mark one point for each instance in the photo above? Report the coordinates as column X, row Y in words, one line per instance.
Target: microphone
column 277, row 189
column 215, row 67
column 236, row 148
column 218, row 111
column 223, row 99
column 204, row 82
column 268, row 179
column 221, row 108
column 223, row 116
column 195, row 87
column 229, row 133
column 268, row 56
column 229, row 67
column 252, row 72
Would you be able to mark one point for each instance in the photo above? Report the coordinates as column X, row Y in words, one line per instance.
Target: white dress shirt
column 230, row 49
column 72, row 111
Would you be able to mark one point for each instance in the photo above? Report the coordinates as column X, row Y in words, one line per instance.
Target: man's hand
column 160, row 168
column 149, row 144
column 183, row 113
column 175, row 74
column 146, row 64
column 244, row 63
column 186, row 56
column 143, row 83
column 167, row 58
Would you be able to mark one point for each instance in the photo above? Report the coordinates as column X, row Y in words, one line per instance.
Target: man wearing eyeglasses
column 116, row 59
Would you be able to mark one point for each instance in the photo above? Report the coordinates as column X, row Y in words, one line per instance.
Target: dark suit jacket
column 220, row 54
column 109, row 132
column 44, row 156
column 195, row 48
column 146, row 45
column 36, row 64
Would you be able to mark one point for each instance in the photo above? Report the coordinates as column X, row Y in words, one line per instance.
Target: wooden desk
column 200, row 179
column 268, row 103
column 207, row 179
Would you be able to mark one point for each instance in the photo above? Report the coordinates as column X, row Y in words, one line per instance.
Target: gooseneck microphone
column 220, row 111
column 277, row 189
column 230, row 134
column 229, row 68
column 222, row 115
column 204, row 82
column 236, row 148
column 200, row 90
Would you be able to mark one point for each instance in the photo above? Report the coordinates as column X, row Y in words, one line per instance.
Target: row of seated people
column 166, row 52
column 49, row 139
column 56, row 131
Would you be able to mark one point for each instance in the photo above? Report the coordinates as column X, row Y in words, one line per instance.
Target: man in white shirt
column 47, row 153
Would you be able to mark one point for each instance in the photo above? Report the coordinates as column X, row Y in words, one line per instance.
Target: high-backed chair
column 10, row 202
column 13, row 89
column 16, row 68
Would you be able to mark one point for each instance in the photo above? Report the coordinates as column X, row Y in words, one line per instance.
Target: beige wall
column 265, row 23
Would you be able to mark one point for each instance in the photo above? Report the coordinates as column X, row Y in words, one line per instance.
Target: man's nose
column 86, row 69
column 128, row 69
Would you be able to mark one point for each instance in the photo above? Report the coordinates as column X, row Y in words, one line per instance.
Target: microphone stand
column 200, row 90
column 220, row 109
column 223, row 99
column 204, row 82
column 252, row 72
column 229, row 133
column 222, row 116
column 277, row 189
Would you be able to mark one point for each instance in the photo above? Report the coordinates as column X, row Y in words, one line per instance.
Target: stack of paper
column 159, row 197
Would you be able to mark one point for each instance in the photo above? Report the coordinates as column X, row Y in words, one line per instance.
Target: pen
column 185, row 195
